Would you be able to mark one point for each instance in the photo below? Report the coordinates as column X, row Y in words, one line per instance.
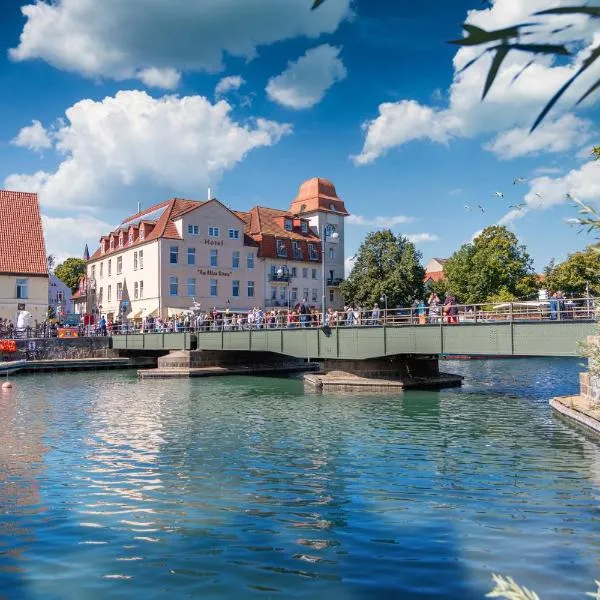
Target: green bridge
column 508, row 338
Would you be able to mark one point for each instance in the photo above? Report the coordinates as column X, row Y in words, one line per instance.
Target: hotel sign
column 214, row 273
column 208, row 242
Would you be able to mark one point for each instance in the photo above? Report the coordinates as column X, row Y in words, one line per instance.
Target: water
column 113, row 488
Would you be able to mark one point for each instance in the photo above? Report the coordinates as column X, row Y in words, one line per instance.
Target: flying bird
column 468, row 207
column 498, row 195
column 518, row 206
column 481, row 208
column 569, row 197
column 539, row 196
column 519, row 180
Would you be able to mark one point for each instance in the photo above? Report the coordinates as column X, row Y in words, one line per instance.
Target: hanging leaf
column 477, row 36
column 316, row 4
column 542, row 49
column 592, row 11
column 501, row 54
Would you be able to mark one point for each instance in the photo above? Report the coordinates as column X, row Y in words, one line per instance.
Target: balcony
column 285, row 278
column 335, row 282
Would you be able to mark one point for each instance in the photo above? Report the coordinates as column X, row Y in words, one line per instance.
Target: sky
column 107, row 104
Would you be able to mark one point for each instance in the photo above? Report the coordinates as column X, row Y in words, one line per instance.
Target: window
column 214, row 290
column 100, row 294
column 314, row 273
column 296, row 251
column 315, row 294
column 193, row 229
column 119, row 291
column 305, row 293
column 281, row 248
column 141, row 289
column 304, row 227
column 331, row 253
column 109, row 293
column 22, row 289
column 136, row 290
column 273, row 293
column 101, row 270
column 235, row 260
column 102, row 246
column 119, row 265
column 112, row 243
column 121, row 240
column 191, row 256
column 173, row 255
column 250, row 260
column 312, row 252
column 93, row 271
column 294, row 294
column 329, row 230
column 234, row 234
column 305, row 273
column 191, row 285
column 142, row 232
column 141, row 258
column 331, row 294
column 131, row 237
column 294, row 272
column 214, row 258
column 135, row 261
column 288, row 225
column 282, row 291
column 251, row 289
column 214, row 232
column 235, row 288
column 109, row 267
column 60, row 297
column 173, row 286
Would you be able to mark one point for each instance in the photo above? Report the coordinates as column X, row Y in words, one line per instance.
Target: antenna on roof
column 209, row 194
column 139, row 207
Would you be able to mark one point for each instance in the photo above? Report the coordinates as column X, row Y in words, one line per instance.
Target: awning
column 135, row 314
column 175, row 312
column 151, row 311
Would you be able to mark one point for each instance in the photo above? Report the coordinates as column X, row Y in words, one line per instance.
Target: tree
column 51, row 260
column 494, row 266
column 574, row 275
column 71, row 271
column 388, row 265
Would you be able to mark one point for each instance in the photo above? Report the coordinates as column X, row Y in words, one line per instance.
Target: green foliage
column 494, row 266
column 385, row 264
column 507, row 588
column 574, row 274
column 70, row 271
column 596, row 152
column 51, row 313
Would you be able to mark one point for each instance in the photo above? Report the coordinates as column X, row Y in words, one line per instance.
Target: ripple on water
column 134, row 488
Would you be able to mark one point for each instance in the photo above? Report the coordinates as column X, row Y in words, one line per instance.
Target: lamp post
column 283, row 270
column 333, row 235
column 384, row 299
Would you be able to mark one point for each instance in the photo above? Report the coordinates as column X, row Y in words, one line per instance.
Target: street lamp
column 333, row 236
column 384, row 299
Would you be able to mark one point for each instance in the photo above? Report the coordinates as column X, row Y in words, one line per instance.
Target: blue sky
column 105, row 105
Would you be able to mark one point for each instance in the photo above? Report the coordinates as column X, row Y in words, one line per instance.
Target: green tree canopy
column 385, row 264
column 574, row 274
column 70, row 271
column 494, row 266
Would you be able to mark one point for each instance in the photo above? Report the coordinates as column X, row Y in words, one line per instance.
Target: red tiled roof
column 434, row 276
column 318, row 194
column 22, row 248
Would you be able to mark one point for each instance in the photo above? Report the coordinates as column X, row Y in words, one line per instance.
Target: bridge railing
column 553, row 310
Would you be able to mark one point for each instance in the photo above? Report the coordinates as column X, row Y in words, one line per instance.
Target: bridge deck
column 511, row 338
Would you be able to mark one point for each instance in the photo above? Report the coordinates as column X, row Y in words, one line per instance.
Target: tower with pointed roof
column 318, row 201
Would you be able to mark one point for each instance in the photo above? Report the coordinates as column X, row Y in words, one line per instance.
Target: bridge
column 499, row 338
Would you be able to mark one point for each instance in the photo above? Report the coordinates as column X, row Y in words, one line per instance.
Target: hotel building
column 162, row 260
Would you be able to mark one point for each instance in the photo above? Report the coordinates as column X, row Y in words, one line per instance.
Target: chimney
column 209, row 194
column 139, row 207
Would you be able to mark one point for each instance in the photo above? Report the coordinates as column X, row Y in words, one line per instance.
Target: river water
column 114, row 488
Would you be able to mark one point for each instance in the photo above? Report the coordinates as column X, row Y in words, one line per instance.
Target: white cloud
column 349, row 264
column 305, row 81
column 552, row 136
column 509, row 105
column 378, row 221
column 108, row 146
column 455, row 192
column 81, row 229
column 228, row 84
column 160, row 78
column 140, row 39
column 34, row 137
column 421, row 238
column 548, row 170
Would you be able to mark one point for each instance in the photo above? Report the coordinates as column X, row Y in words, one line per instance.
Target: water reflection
column 235, row 487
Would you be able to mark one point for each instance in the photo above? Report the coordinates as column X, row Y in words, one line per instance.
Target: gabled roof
column 22, row 248
column 268, row 221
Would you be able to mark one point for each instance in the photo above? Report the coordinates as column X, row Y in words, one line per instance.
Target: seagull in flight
column 468, row 207
column 518, row 206
column 568, row 196
column 539, row 196
column 481, row 208
column 519, row 180
column 498, row 195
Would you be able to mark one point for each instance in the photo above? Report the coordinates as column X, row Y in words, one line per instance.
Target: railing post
column 512, row 330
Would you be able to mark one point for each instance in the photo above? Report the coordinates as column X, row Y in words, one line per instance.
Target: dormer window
column 332, row 207
column 303, row 208
column 112, row 243
column 102, row 246
column 281, row 248
column 142, row 232
column 288, row 225
column 131, row 236
column 304, row 227
column 121, row 240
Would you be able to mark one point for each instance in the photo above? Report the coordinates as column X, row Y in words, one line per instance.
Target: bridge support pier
column 382, row 374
